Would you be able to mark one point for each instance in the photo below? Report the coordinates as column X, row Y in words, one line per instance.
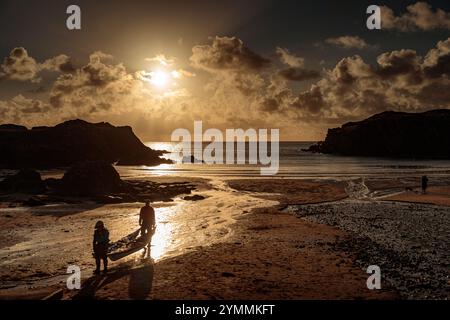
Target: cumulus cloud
column 233, row 92
column 401, row 80
column 437, row 61
column 418, row 16
column 162, row 60
column 20, row 109
column 348, row 42
column 404, row 65
column 61, row 63
column 295, row 70
column 298, row 74
column 226, row 53
column 22, row 67
column 289, row 59
column 99, row 85
column 102, row 90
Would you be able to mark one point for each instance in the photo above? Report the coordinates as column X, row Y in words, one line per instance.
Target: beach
column 248, row 238
column 225, row 150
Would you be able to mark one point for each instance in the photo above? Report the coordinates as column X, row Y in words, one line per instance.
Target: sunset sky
column 300, row 66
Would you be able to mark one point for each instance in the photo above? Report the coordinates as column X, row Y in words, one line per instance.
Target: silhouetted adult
column 147, row 219
column 148, row 225
column 424, row 184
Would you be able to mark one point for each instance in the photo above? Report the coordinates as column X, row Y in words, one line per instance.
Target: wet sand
column 292, row 191
column 271, row 255
column 238, row 243
column 38, row 244
column 434, row 195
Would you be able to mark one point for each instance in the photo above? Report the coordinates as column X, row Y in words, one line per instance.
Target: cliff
column 72, row 142
column 392, row 134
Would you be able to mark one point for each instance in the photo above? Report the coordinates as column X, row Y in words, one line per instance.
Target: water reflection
column 164, row 232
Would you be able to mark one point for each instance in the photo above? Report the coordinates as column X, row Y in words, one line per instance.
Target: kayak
column 128, row 245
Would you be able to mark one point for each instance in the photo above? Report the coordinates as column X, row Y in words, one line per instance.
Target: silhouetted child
column 100, row 244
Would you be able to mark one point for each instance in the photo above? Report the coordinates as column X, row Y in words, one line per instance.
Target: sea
column 294, row 162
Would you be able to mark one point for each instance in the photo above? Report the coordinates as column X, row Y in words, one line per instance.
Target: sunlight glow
column 159, row 78
column 176, row 74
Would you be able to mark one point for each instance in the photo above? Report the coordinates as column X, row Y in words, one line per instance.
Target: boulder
column 91, row 178
column 195, row 197
column 25, row 181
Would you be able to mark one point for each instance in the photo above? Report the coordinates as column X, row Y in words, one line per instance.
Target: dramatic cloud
column 348, row 42
column 162, row 59
column 289, row 59
column 99, row 85
column 437, row 61
column 401, row 80
column 234, row 87
column 226, row 53
column 61, row 63
column 21, row 67
column 21, row 109
column 103, row 90
column 298, row 74
column 419, row 16
column 402, row 65
column 295, row 70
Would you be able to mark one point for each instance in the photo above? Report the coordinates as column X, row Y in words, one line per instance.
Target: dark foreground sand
column 409, row 242
column 305, row 247
column 271, row 255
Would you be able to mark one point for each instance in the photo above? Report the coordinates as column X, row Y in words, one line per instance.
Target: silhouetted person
column 147, row 219
column 100, row 244
column 424, row 184
column 148, row 224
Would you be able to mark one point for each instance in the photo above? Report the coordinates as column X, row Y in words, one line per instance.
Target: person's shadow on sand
column 141, row 280
column 139, row 287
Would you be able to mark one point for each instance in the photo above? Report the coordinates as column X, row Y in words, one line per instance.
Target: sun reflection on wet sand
column 164, row 232
column 161, row 240
column 182, row 226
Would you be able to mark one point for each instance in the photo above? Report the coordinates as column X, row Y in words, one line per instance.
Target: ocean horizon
column 295, row 163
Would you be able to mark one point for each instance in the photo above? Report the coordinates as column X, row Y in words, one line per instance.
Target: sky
column 298, row 66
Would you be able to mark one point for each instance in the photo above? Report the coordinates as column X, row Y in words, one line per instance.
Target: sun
column 159, row 78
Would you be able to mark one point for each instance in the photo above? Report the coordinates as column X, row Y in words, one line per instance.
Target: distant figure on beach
column 100, row 244
column 424, row 184
column 148, row 224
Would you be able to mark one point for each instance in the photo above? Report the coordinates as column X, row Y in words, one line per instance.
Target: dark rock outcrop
column 72, row 142
column 392, row 134
column 195, row 197
column 191, row 159
column 25, row 181
column 93, row 178
column 96, row 181
column 34, row 202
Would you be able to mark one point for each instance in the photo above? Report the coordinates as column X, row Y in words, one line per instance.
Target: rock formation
column 72, row 142
column 392, row 134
